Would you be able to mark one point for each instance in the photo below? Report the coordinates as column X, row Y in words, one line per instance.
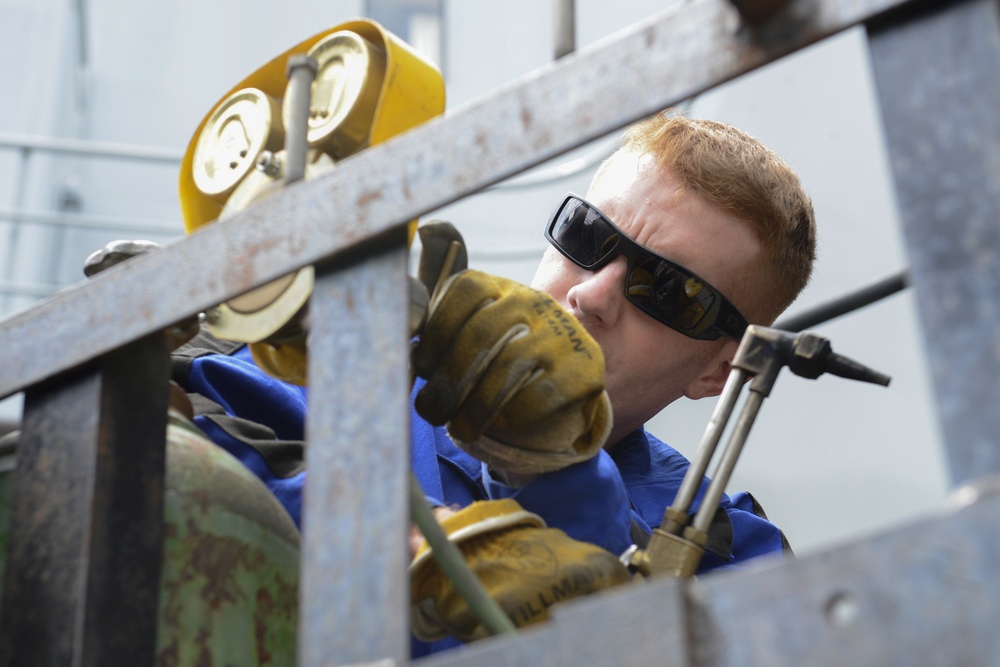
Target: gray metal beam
column 586, row 95
column 923, row 596
column 86, row 527
column 938, row 76
column 354, row 587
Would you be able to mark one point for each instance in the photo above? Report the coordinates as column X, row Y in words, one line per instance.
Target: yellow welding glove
column 524, row 566
column 518, row 380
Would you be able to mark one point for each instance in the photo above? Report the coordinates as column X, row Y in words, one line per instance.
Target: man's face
column 648, row 364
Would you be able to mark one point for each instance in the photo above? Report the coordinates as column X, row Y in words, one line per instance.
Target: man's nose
column 599, row 298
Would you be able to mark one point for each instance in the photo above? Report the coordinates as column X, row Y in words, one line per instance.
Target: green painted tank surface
column 230, row 576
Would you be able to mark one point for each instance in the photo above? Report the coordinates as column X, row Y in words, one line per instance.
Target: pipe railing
column 27, row 146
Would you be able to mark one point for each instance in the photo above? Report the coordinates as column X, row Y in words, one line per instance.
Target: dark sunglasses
column 662, row 289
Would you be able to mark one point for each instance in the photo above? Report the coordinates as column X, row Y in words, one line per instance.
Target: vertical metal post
column 83, row 558
column 14, row 233
column 301, row 74
column 354, row 590
column 564, row 27
column 938, row 76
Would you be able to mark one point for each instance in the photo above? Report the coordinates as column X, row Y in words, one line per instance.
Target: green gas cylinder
column 230, row 575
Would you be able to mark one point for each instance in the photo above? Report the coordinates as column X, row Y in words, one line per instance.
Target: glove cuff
column 480, row 517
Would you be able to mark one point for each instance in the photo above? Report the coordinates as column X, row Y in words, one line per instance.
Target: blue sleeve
column 586, row 500
column 753, row 534
column 447, row 475
column 244, row 392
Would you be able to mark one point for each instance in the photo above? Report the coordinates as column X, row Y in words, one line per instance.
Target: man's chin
column 615, row 392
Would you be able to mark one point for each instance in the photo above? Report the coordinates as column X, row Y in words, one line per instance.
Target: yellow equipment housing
column 370, row 86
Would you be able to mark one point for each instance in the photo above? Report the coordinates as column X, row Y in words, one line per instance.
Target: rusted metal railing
column 924, row 595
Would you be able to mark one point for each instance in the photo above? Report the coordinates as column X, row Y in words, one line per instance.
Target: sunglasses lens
column 581, row 233
column 665, row 291
column 672, row 296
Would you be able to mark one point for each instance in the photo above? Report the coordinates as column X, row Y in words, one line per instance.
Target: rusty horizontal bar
column 652, row 65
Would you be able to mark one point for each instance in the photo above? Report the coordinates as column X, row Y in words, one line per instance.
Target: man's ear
column 716, row 371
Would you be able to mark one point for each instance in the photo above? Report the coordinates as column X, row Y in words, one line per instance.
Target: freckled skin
column 648, row 364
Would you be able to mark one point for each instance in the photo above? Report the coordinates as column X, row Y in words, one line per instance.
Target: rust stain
column 296, row 242
column 481, row 140
column 146, row 311
column 204, row 652
column 172, row 607
column 366, row 198
column 544, row 139
column 201, row 497
column 217, row 559
column 252, row 250
column 169, row 531
column 169, row 657
column 240, row 267
column 526, row 117
column 288, row 596
column 261, row 614
column 212, row 563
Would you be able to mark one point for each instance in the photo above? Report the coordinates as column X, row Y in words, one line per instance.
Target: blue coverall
column 611, row 500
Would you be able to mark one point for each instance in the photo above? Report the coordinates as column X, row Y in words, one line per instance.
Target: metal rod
column 90, row 221
column 14, row 231
column 922, row 594
column 447, row 268
column 564, row 24
column 94, row 149
column 730, row 455
column 709, row 441
column 845, row 304
column 28, row 289
column 301, row 73
column 83, row 50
